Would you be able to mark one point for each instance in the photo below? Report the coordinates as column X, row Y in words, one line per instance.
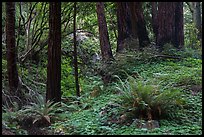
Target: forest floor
column 99, row 114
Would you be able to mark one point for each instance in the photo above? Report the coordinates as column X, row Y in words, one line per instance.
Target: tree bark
column 11, row 49
column 141, row 26
column 133, row 19
column 166, row 26
column 197, row 18
column 179, row 27
column 103, row 32
column 170, row 24
column 123, row 20
column 54, row 53
column 75, row 55
column 131, row 24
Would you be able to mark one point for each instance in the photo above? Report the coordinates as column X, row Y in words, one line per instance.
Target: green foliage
column 10, row 119
column 169, row 49
column 187, row 52
column 191, row 40
column 194, row 53
column 96, row 85
column 156, row 76
column 67, row 78
column 41, row 109
column 34, row 76
column 146, row 99
column 191, row 112
column 125, row 63
column 88, row 13
column 87, row 49
column 147, row 84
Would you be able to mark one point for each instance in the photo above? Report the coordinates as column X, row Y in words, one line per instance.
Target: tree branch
column 190, row 6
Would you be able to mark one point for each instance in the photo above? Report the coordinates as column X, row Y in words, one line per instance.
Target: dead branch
column 38, row 83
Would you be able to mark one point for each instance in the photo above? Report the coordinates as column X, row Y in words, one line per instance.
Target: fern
column 140, row 96
column 41, row 109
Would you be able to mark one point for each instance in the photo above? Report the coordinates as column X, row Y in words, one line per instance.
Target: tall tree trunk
column 197, row 18
column 154, row 18
column 103, row 32
column 131, row 24
column 141, row 26
column 75, row 55
column 170, row 24
column 133, row 19
column 123, row 20
column 11, row 49
column 54, row 53
column 166, row 18
column 179, row 27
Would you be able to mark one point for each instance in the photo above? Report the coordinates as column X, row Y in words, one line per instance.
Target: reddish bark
column 179, row 28
column 131, row 24
column 123, row 19
column 170, row 24
column 54, row 53
column 11, row 49
column 166, row 18
column 141, row 26
column 103, row 32
column 133, row 19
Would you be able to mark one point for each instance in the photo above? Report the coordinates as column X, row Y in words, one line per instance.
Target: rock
column 123, row 118
column 151, row 124
column 138, row 123
column 96, row 57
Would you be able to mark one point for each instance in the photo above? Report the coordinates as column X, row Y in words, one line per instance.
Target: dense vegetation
column 139, row 92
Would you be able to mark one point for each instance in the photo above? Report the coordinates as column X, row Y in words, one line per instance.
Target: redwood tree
column 103, row 32
column 11, row 49
column 54, row 53
column 131, row 24
column 133, row 19
column 141, row 26
column 170, row 24
column 179, row 26
column 123, row 20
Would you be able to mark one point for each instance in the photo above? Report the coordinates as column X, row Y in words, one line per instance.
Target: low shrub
column 147, row 101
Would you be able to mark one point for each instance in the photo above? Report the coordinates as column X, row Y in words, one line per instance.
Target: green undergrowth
column 100, row 104
column 184, row 75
